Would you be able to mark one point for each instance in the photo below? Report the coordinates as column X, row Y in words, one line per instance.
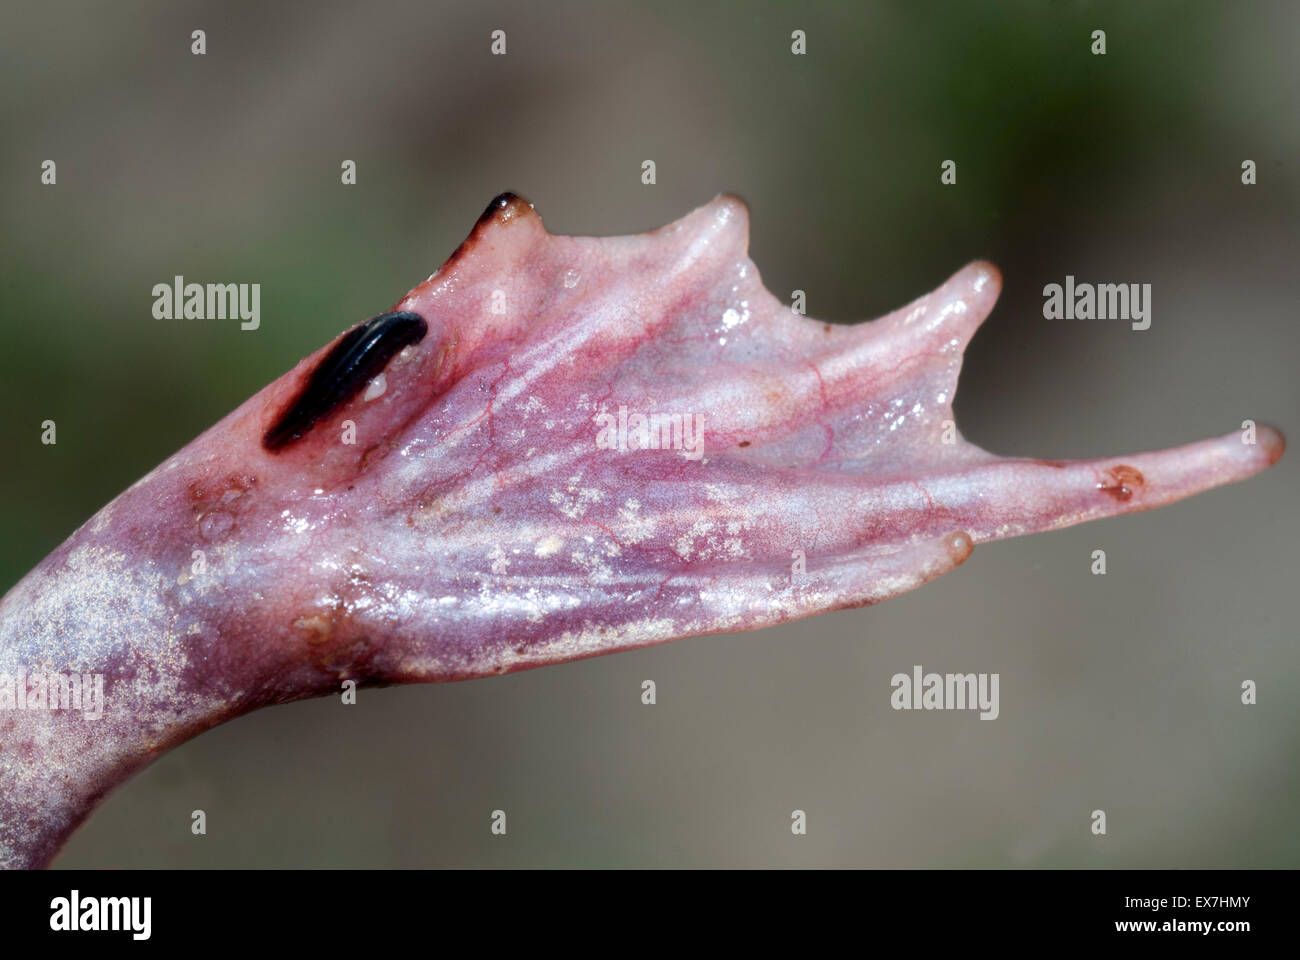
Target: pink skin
column 476, row 526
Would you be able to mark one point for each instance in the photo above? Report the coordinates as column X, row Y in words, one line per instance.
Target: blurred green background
column 1118, row 692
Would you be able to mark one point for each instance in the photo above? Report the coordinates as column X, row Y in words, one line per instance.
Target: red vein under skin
column 476, row 528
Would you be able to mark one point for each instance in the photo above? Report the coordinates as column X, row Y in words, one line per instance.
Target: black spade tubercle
column 360, row 354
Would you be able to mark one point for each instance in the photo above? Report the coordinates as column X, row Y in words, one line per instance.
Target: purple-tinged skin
column 477, row 527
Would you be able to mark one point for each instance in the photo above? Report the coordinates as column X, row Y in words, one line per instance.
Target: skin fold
column 479, row 506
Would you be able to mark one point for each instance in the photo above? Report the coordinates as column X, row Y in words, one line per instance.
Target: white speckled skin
column 476, row 525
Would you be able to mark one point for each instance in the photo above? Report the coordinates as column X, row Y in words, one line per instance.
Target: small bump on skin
column 376, row 389
column 960, row 546
column 1121, row 480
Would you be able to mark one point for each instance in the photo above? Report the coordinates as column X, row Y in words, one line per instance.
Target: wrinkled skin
column 476, row 526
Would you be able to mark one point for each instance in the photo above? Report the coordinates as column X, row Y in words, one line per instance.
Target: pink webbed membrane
column 597, row 444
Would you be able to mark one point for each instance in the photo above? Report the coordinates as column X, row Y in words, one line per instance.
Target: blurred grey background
column 1118, row 692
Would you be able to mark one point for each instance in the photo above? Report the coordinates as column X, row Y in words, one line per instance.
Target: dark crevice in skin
column 359, row 356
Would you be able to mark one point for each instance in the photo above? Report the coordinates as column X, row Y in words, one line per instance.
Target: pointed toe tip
column 733, row 200
column 730, row 210
column 1272, row 442
column 988, row 274
column 983, row 279
column 504, row 207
